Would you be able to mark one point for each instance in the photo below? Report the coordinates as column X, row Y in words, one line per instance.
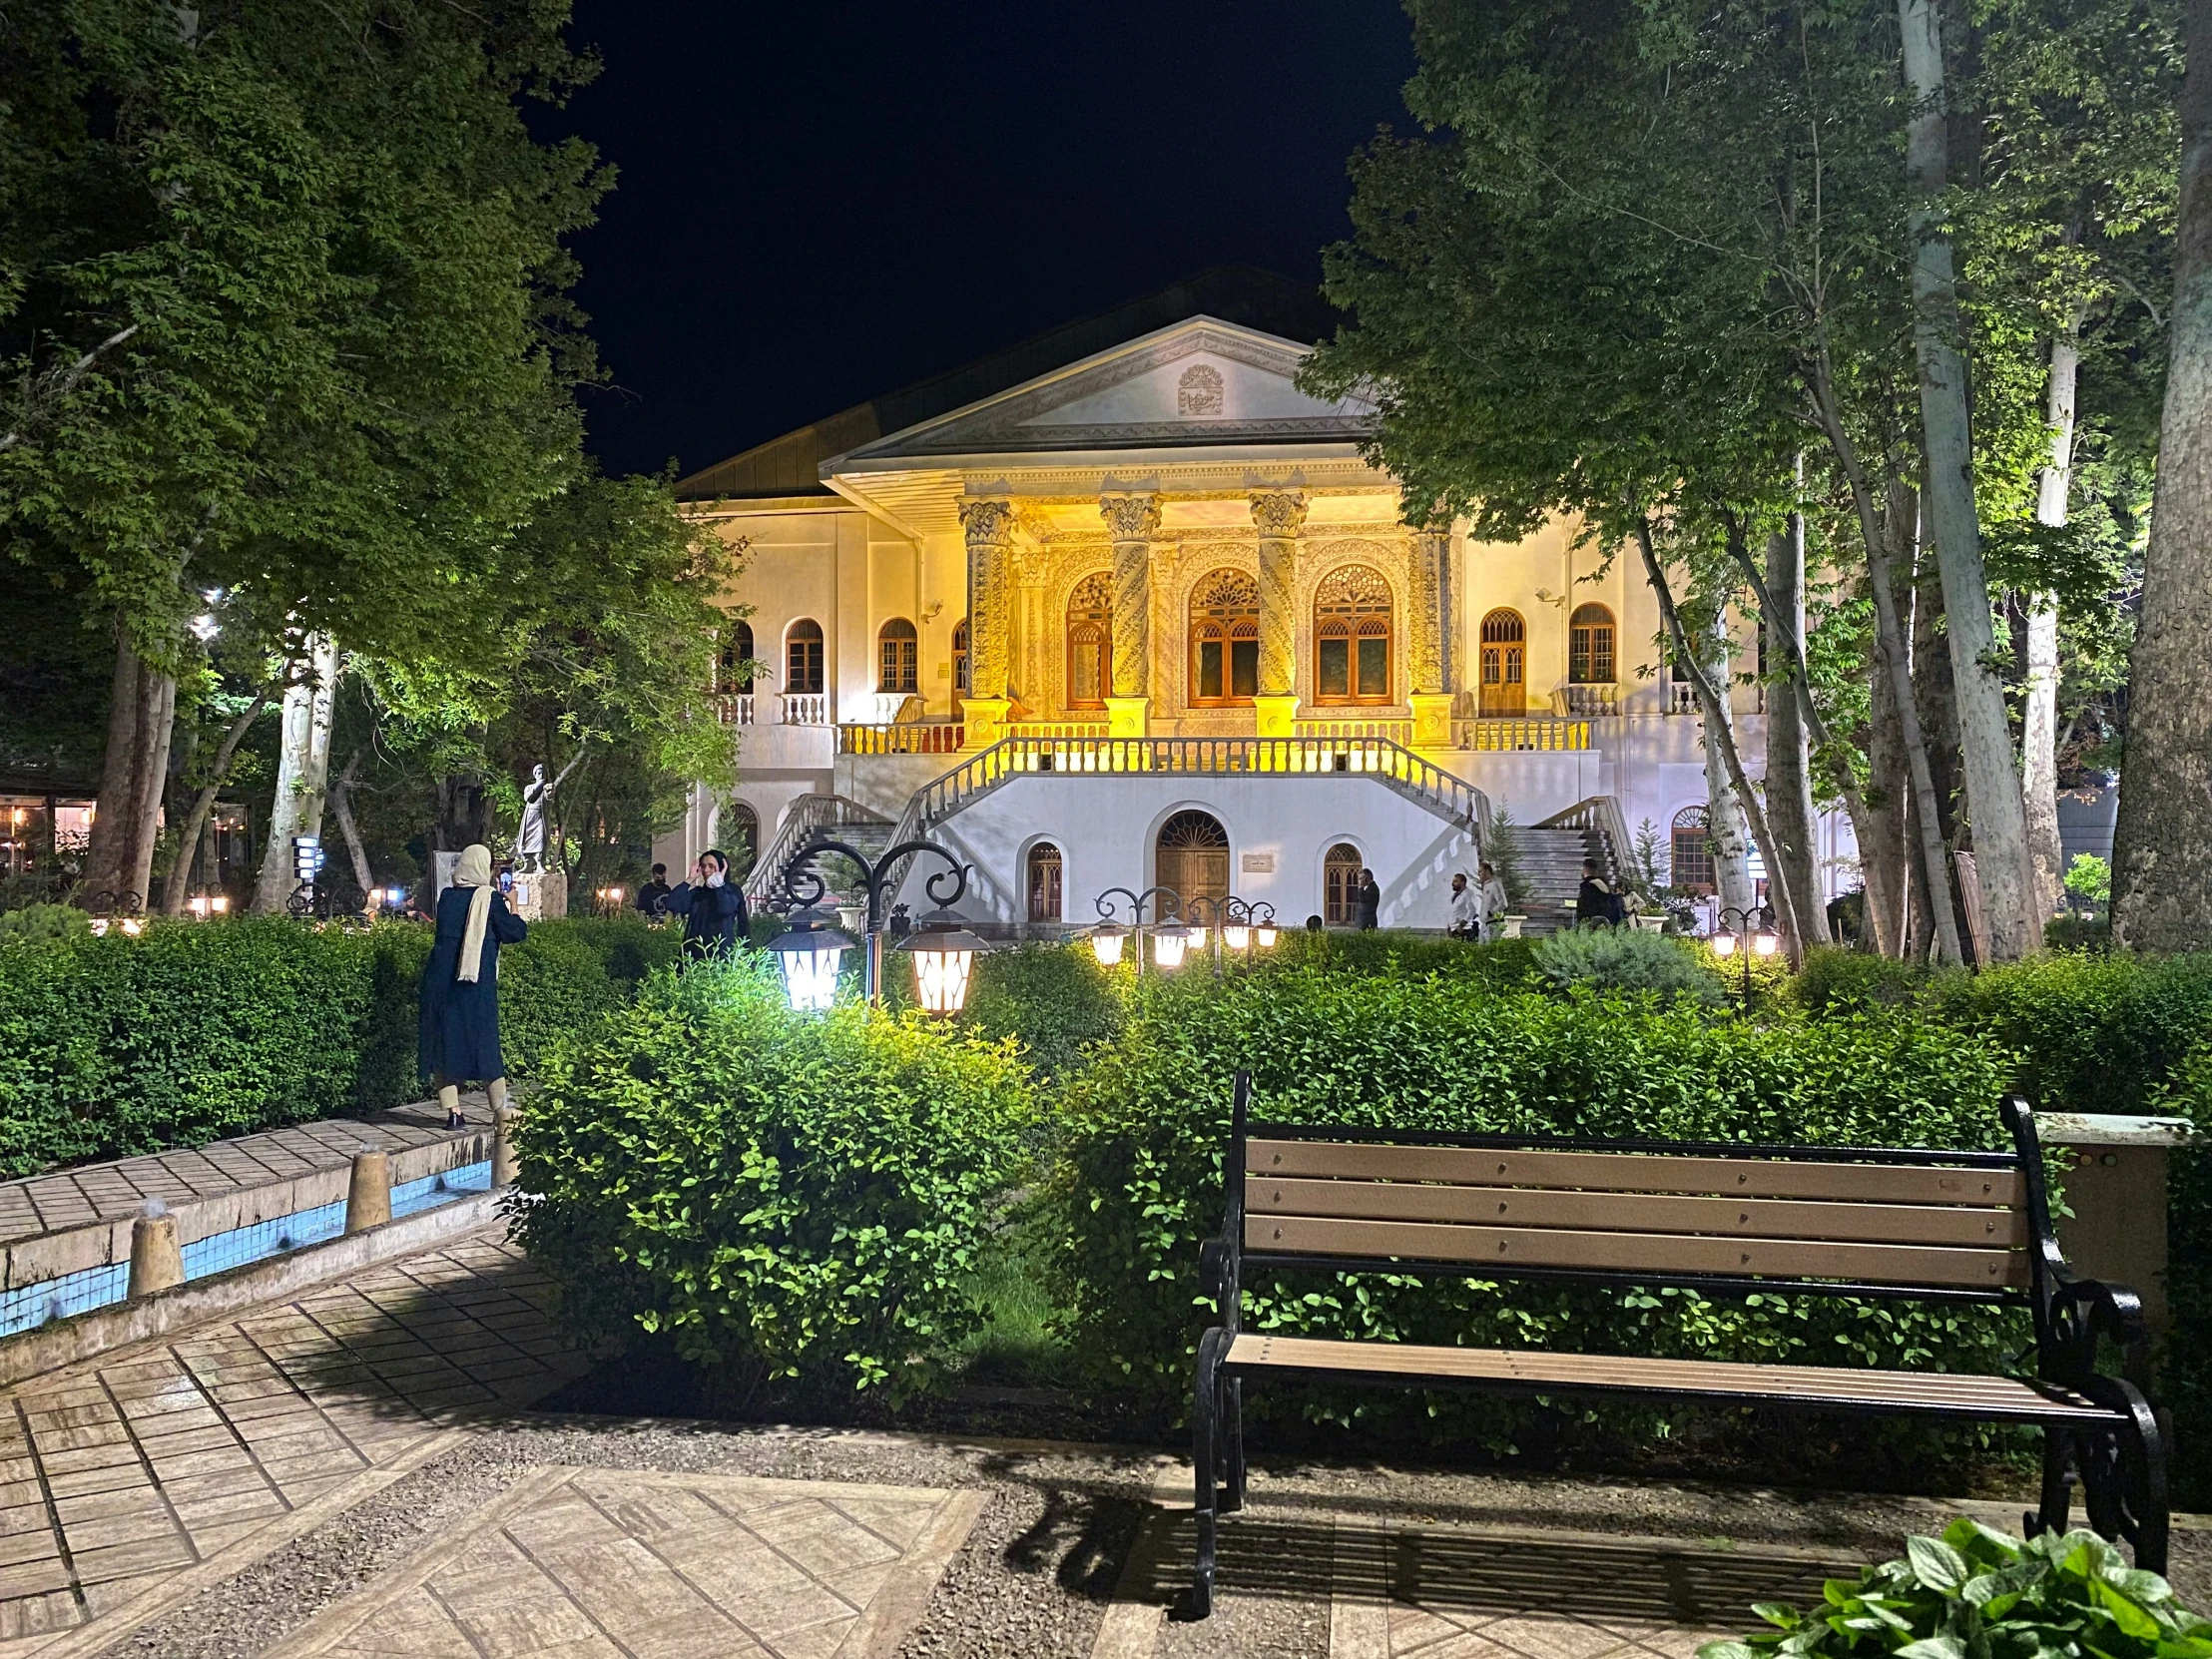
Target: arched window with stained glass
column 1351, row 637
column 1225, row 639
column 1090, row 635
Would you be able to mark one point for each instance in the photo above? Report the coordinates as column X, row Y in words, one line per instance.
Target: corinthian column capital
column 1130, row 516
column 1279, row 512
column 987, row 518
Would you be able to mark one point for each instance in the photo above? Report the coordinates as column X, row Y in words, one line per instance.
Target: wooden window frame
column 797, row 669
column 1593, row 642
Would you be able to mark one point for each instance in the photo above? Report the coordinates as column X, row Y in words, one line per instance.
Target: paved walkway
column 95, row 1192
column 128, row 1480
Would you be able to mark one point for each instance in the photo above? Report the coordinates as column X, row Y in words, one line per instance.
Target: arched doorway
column 1690, row 848
column 1340, row 885
column 1351, row 637
column 1043, row 883
column 1225, row 639
column 1191, row 859
column 1090, row 640
column 1503, row 685
column 743, row 827
column 1590, row 646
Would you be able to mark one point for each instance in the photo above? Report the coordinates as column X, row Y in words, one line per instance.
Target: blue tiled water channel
column 28, row 1306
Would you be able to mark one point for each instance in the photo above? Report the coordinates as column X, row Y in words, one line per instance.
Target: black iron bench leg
column 2056, row 1499
column 1232, row 1436
column 1204, row 1449
column 2123, row 1475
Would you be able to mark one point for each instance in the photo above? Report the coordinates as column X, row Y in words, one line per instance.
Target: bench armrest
column 2086, row 1311
column 1219, row 1278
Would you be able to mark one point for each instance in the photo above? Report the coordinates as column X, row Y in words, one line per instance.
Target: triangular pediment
column 1198, row 383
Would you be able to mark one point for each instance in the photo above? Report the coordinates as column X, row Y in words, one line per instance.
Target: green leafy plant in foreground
column 1976, row 1593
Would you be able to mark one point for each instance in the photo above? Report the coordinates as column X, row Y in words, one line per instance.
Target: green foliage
column 2090, row 879
column 1976, row 1593
column 2076, row 932
column 1836, row 980
column 45, row 921
column 1136, row 1187
column 1630, row 960
column 778, row 1192
column 1054, row 1001
column 1502, row 963
column 2186, row 1363
column 115, row 1046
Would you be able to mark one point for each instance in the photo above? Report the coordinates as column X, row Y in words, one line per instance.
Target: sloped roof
column 791, row 465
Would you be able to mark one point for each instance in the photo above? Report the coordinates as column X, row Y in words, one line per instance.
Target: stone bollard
column 503, row 1147
column 157, row 1261
column 368, row 1193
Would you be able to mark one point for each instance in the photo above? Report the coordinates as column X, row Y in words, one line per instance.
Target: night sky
column 823, row 202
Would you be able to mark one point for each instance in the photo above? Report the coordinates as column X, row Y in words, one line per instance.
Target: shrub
column 1503, row 964
column 1630, row 960
column 777, row 1192
column 1835, row 980
column 2186, row 1365
column 627, row 945
column 1051, row 999
column 45, row 921
column 2090, row 879
column 1137, row 1184
column 1977, row 1592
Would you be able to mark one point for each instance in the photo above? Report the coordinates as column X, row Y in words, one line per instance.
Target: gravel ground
column 1046, row 1556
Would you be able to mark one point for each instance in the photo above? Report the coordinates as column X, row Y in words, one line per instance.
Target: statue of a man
column 530, row 843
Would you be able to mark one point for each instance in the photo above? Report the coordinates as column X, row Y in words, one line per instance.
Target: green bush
column 1052, row 999
column 1630, row 960
column 1976, row 1593
column 1835, row 980
column 777, row 1192
column 45, row 921
column 1502, row 963
column 2078, row 933
column 2186, row 1365
column 627, row 945
column 1137, row 1185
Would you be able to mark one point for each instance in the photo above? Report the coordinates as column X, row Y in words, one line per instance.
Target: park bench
column 1719, row 1218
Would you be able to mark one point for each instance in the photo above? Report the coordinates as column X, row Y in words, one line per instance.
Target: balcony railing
column 909, row 739
column 1390, row 730
column 1591, row 700
column 807, row 709
column 1040, row 729
column 736, row 707
column 1543, row 736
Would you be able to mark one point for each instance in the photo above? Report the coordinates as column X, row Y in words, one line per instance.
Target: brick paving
column 161, row 1461
column 95, row 1192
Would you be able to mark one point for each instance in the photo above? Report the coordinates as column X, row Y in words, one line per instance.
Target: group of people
column 711, row 905
column 1477, row 906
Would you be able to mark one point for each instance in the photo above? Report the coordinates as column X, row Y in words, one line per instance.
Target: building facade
column 1146, row 616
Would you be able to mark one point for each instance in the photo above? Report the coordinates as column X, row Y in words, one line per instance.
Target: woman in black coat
column 459, row 1037
column 713, row 908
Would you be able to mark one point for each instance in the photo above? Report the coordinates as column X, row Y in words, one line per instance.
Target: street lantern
column 1167, row 947
column 1237, row 935
column 1106, row 942
column 1264, row 935
column 808, row 956
column 944, row 956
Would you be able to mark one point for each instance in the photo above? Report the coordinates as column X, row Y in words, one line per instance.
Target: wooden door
column 1502, row 689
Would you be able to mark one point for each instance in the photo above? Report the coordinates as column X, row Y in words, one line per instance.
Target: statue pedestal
column 983, row 721
column 1431, row 720
column 1126, row 717
column 540, row 895
column 1276, row 714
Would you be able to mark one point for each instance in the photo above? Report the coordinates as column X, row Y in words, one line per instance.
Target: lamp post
column 1750, row 935
column 876, row 878
column 1107, row 936
column 1236, row 922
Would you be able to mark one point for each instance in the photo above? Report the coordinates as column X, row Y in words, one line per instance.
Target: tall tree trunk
column 303, row 772
column 2039, row 713
column 1992, row 782
column 179, row 885
column 142, row 716
column 1727, row 832
column 2162, row 847
column 342, row 807
column 1795, row 855
column 1883, row 850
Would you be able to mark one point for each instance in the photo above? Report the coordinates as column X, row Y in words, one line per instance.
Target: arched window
column 1692, row 850
column 1351, row 637
column 1590, row 646
column 1044, row 883
column 1504, row 665
column 1225, row 639
column 1191, row 859
column 743, row 831
column 802, row 658
column 733, row 673
column 897, row 656
column 960, row 660
column 1091, row 641
column 1340, row 885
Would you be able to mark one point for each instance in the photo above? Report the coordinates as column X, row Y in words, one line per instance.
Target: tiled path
column 126, row 1480
column 95, row 1192
column 633, row 1564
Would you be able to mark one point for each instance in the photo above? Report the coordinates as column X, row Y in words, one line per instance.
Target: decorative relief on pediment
column 1199, row 391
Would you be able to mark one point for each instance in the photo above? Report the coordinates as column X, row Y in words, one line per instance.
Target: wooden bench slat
column 1629, row 1252
column 1631, row 1172
column 1977, row 1225
column 1998, row 1397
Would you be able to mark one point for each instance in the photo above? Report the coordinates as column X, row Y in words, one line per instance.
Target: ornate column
column 989, row 523
column 1277, row 515
column 1427, row 639
column 1132, row 519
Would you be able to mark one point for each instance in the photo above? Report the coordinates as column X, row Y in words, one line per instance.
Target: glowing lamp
column 1264, row 935
column 1106, row 941
column 808, row 956
column 614, row 895
column 1765, row 944
column 198, row 905
column 944, row 957
column 1168, row 946
column 1724, row 944
column 219, row 903
column 1236, row 936
column 133, row 927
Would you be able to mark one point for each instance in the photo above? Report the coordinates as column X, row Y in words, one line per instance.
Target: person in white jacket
column 1493, row 901
column 1466, row 910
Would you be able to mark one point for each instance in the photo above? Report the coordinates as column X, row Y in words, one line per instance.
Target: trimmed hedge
column 777, row 1192
column 115, row 1046
column 1137, row 1183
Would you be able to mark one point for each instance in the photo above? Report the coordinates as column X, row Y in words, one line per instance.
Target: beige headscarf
column 474, row 870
